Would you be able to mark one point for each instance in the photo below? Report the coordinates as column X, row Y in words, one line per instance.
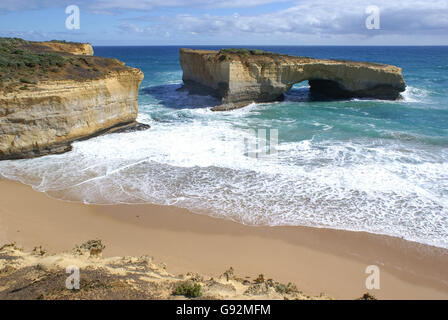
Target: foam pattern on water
column 381, row 186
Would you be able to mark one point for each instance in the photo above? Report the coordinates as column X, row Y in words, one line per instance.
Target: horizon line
column 265, row 45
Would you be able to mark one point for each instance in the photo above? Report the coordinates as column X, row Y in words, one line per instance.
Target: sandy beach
column 316, row 260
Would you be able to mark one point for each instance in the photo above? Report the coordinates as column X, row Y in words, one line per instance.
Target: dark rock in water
column 134, row 127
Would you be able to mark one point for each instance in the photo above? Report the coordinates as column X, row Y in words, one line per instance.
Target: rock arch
column 239, row 79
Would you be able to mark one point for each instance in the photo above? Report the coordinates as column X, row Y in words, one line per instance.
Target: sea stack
column 53, row 93
column 240, row 76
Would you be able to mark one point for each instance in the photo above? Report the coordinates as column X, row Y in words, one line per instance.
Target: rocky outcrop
column 68, row 47
column 240, row 77
column 47, row 119
column 83, row 98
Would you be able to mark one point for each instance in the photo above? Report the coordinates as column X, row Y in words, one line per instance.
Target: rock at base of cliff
column 59, row 148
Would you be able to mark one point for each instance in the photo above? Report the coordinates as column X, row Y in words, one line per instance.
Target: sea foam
column 199, row 163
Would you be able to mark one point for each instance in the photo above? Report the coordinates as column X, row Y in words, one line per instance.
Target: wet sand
column 316, row 260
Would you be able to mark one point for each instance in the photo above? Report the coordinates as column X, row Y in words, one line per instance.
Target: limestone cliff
column 240, row 77
column 46, row 119
column 79, row 97
column 68, row 47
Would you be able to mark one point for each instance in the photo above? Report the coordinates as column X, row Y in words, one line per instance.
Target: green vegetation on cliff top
column 262, row 56
column 14, row 55
column 248, row 52
column 23, row 64
column 259, row 56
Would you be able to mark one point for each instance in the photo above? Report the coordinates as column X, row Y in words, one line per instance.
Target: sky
column 230, row 22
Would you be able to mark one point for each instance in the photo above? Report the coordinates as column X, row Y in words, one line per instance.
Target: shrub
column 285, row 289
column 246, row 52
column 367, row 296
column 225, row 57
column 24, row 80
column 95, row 247
column 188, row 290
column 3, row 61
column 11, row 55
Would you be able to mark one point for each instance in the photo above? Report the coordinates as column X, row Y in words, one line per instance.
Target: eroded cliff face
column 246, row 78
column 51, row 116
column 200, row 68
column 68, row 47
column 81, row 98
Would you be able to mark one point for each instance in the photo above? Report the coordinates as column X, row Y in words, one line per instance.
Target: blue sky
column 230, row 22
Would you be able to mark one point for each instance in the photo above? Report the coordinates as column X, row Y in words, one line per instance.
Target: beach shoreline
column 316, row 260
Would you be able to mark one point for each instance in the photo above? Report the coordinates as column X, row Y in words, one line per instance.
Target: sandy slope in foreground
column 40, row 275
column 316, row 260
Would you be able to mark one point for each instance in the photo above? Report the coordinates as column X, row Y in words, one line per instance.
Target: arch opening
column 315, row 90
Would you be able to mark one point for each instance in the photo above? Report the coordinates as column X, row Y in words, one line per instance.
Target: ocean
column 354, row 164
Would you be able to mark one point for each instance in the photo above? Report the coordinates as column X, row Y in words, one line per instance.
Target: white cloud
column 337, row 17
column 114, row 6
column 314, row 19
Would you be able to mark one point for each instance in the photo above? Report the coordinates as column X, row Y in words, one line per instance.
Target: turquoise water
column 376, row 166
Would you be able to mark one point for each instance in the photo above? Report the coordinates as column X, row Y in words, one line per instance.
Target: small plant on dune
column 24, row 80
column 285, row 289
column 94, row 247
column 260, row 279
column 188, row 289
column 367, row 296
